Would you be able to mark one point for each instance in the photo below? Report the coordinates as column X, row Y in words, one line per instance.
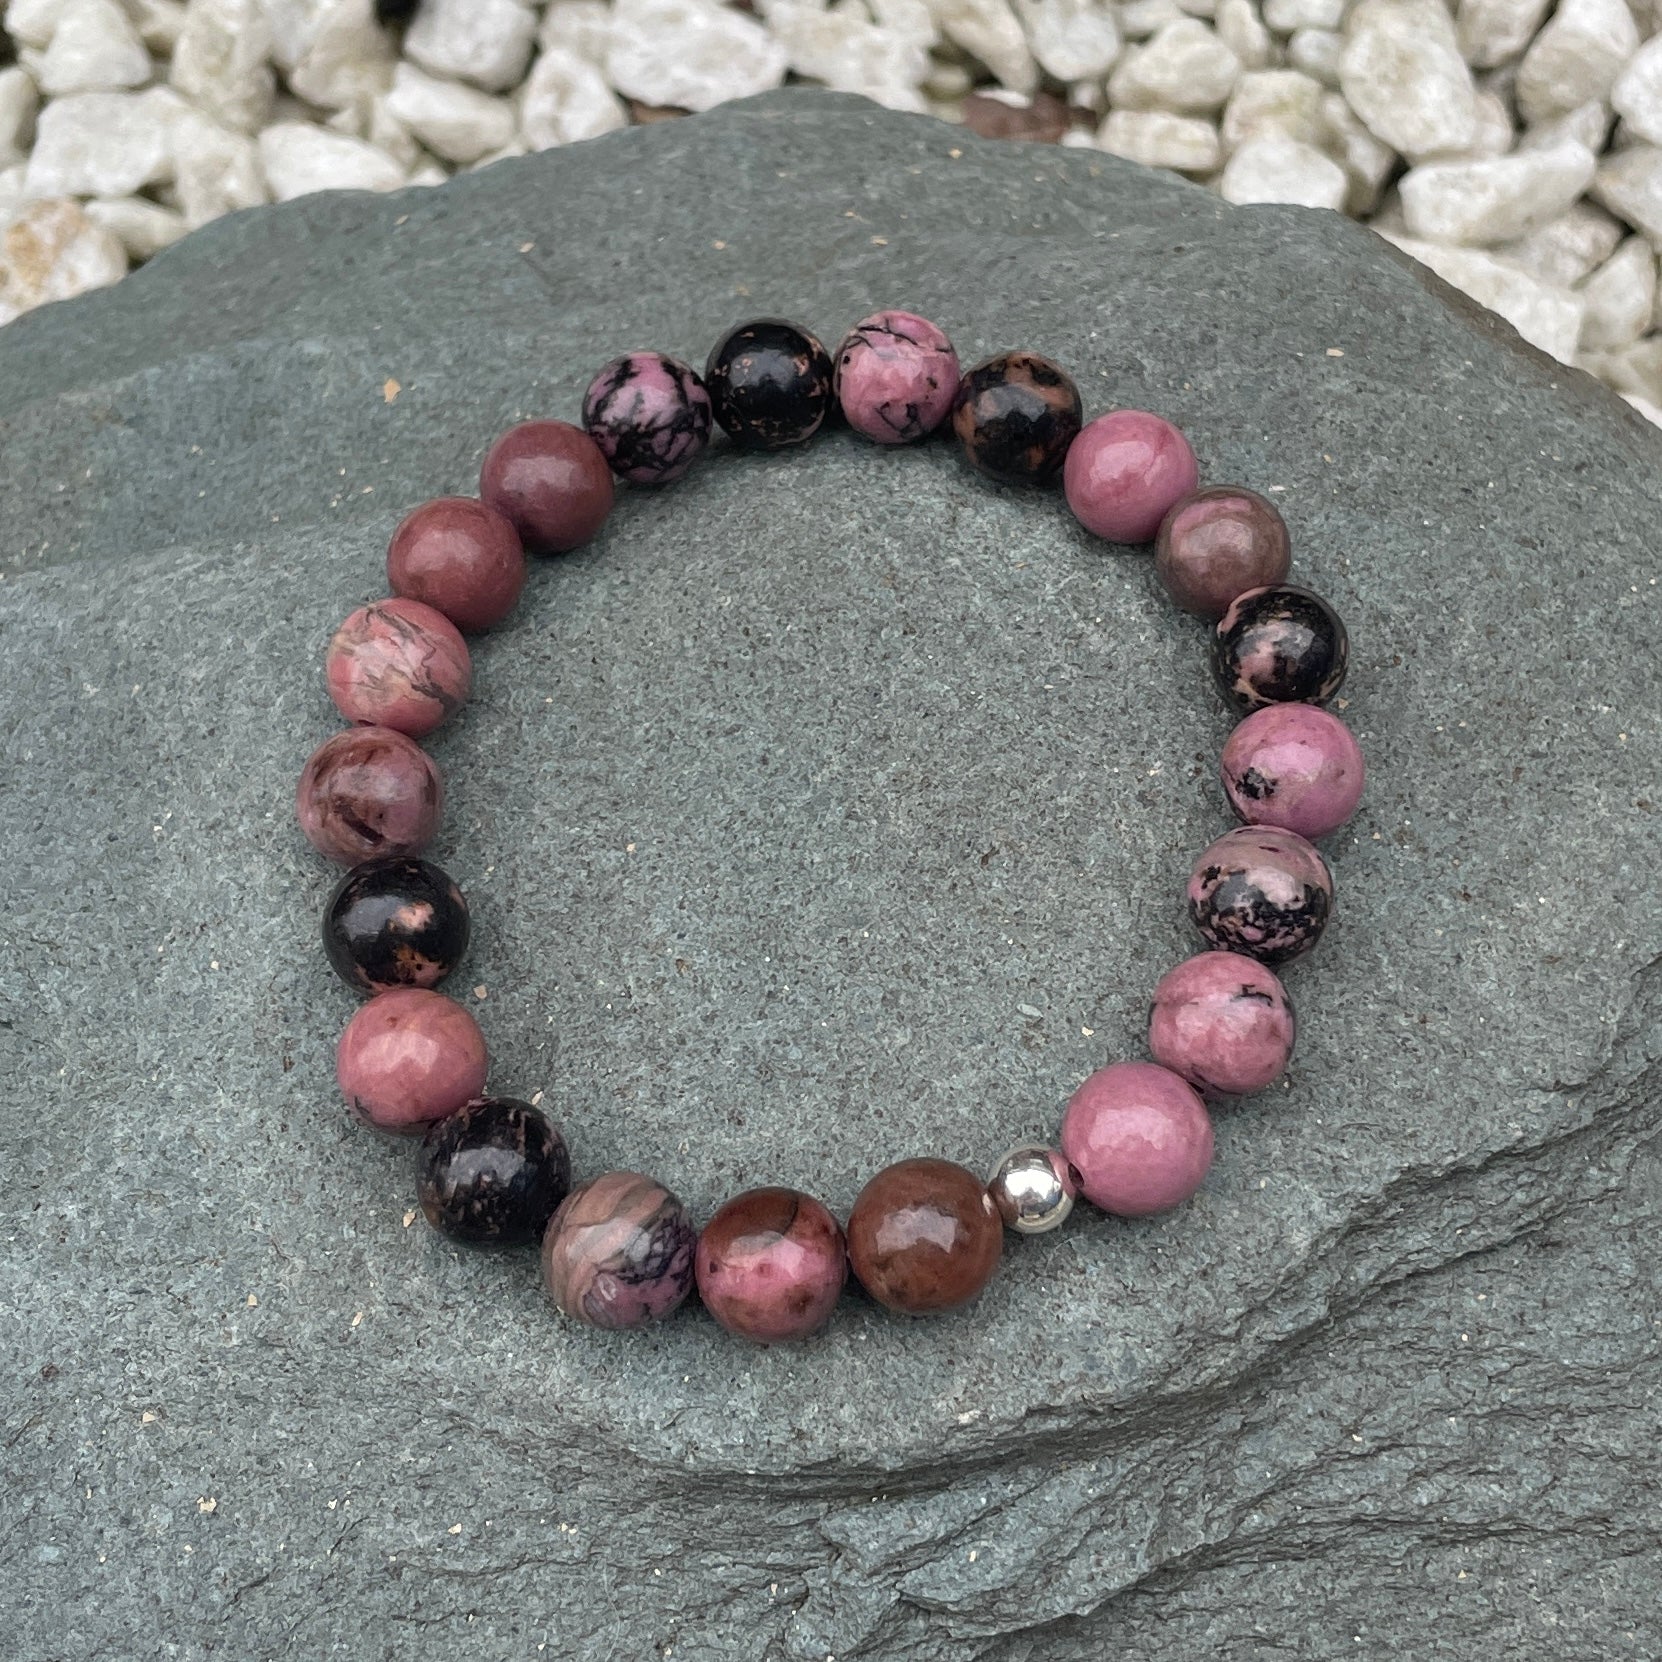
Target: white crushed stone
column 1514, row 146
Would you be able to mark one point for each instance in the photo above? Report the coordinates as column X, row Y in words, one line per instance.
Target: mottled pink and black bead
column 769, row 383
column 1216, row 544
column 395, row 922
column 368, row 791
column 650, row 415
column 1280, row 645
column 1295, row 766
column 1223, row 1022
column 494, row 1172
column 1016, row 415
column 409, row 1057
column 1263, row 892
column 619, row 1251
column 897, row 376
column 771, row 1265
column 397, row 663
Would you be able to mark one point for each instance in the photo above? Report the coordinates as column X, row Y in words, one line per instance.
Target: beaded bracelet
column 924, row 1235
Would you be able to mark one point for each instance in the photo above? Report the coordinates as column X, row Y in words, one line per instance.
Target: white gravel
column 1514, row 146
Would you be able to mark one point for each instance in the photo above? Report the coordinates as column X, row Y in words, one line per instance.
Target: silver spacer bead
column 1033, row 1188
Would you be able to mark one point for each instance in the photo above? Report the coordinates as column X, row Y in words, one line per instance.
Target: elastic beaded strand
column 925, row 1234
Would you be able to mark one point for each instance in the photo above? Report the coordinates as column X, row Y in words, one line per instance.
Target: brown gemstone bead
column 924, row 1236
column 551, row 480
column 771, row 1265
column 459, row 557
column 1217, row 543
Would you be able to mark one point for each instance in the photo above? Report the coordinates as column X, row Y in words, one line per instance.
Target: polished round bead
column 771, row 1265
column 897, row 376
column 366, row 792
column 1033, row 1189
column 1279, row 645
column 409, row 1057
column 493, row 1172
column 397, row 663
column 395, row 922
column 769, row 383
column 1124, row 472
column 1139, row 1137
column 924, row 1236
column 650, row 415
column 550, row 479
column 1223, row 1022
column 1261, row 891
column 1217, row 543
column 1295, row 766
column 619, row 1251
column 459, row 557
column 1016, row 415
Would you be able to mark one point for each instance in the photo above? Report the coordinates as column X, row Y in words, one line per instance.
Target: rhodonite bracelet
column 925, row 1234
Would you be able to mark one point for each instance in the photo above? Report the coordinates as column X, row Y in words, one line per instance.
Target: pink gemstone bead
column 771, row 1265
column 1124, row 472
column 368, row 791
column 1139, row 1137
column 397, row 663
column 1222, row 1021
column 1295, row 766
column 409, row 1057
column 552, row 481
column 459, row 557
column 896, row 377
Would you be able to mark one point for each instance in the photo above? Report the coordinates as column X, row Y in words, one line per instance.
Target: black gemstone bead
column 1015, row 416
column 395, row 922
column 1280, row 645
column 493, row 1172
column 769, row 384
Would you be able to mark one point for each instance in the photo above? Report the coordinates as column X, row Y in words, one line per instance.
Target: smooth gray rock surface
column 778, row 807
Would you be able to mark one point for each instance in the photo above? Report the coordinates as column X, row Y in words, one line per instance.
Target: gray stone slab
column 777, row 806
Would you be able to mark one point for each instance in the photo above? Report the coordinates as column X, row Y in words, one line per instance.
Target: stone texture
column 103, row 144
column 1074, row 40
column 299, row 158
column 565, row 99
column 1155, row 139
column 19, row 100
column 1637, row 94
column 1576, row 57
column 487, row 42
column 221, row 62
column 1542, row 313
column 690, row 54
column 141, row 226
column 1496, row 31
column 51, row 251
column 457, row 122
column 95, row 48
column 1620, row 297
column 1274, row 168
column 1629, row 184
column 1386, row 1387
column 1494, row 199
column 1282, row 102
column 1403, row 75
column 847, row 51
column 1185, row 69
